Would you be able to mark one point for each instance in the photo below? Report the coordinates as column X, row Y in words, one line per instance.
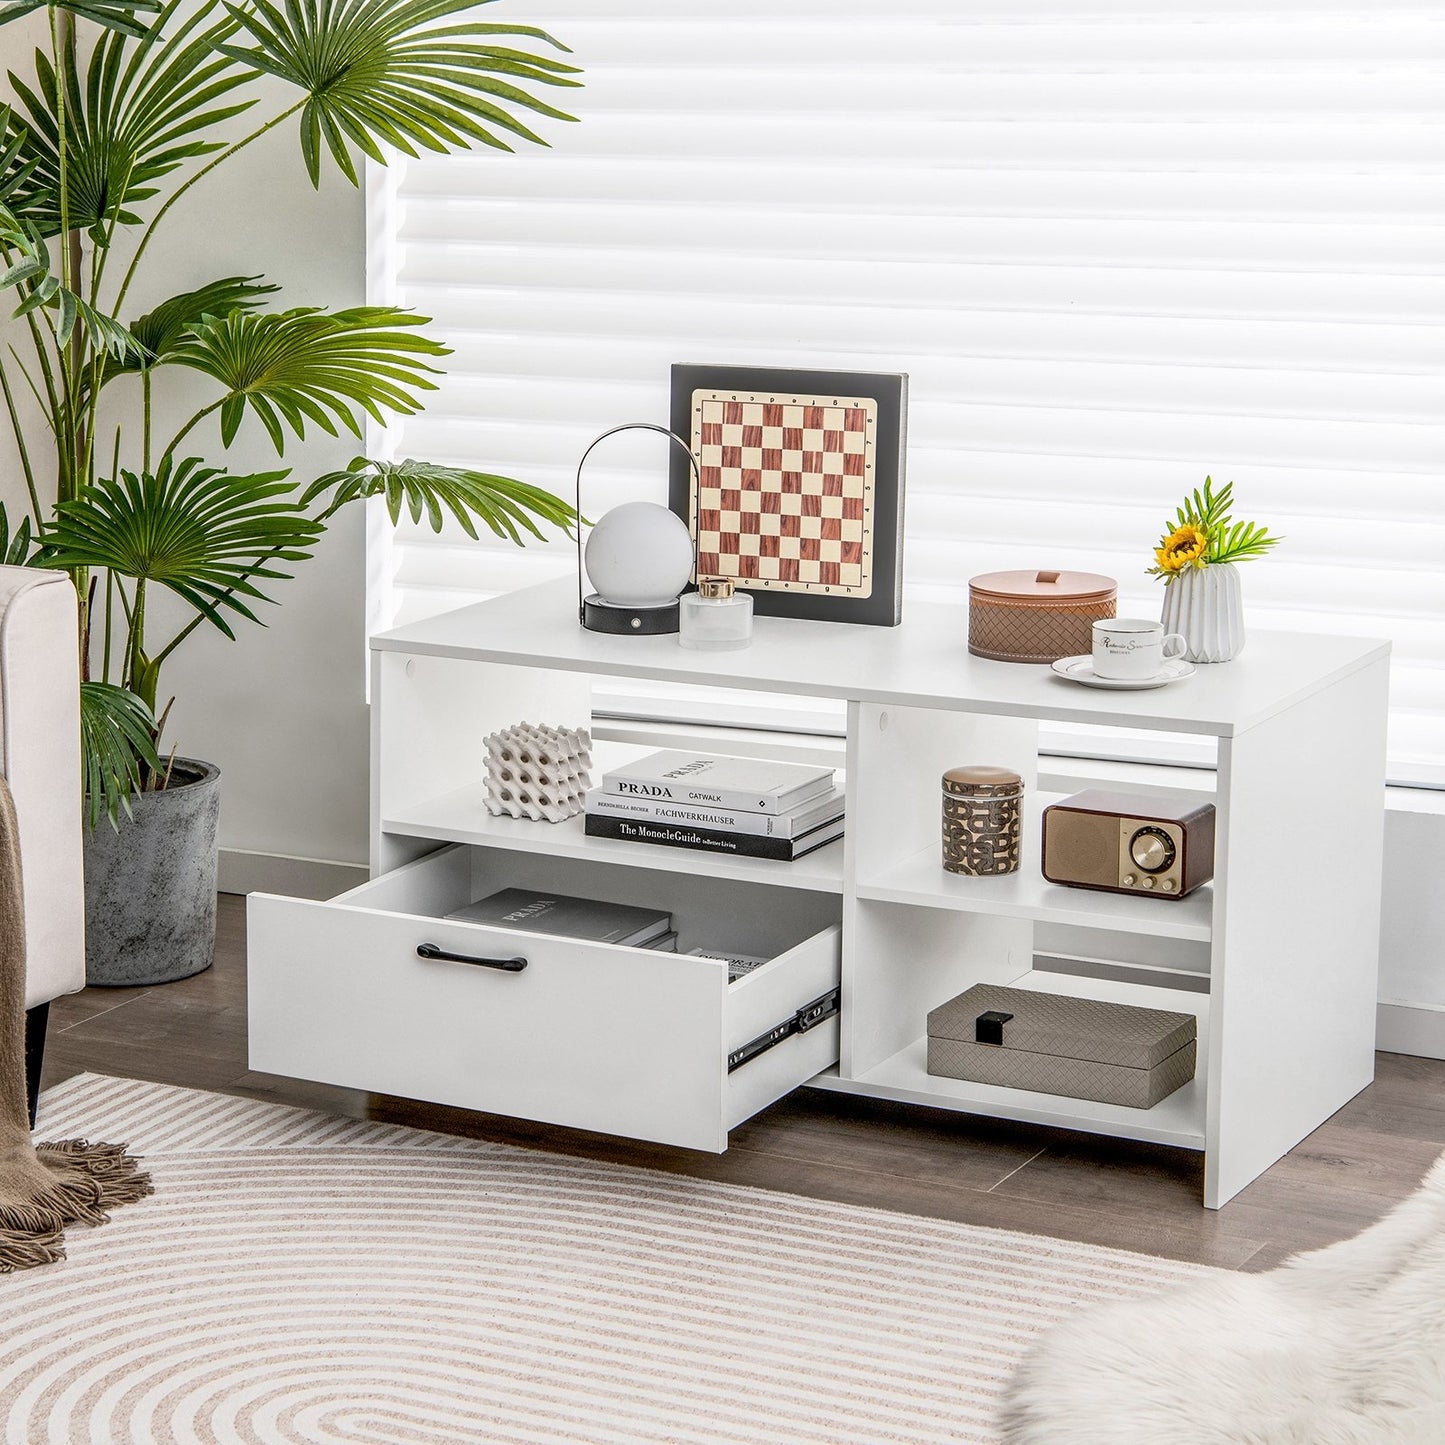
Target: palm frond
column 117, row 732
column 15, row 549
column 204, row 534
column 124, row 16
column 308, row 364
column 16, row 165
column 164, row 327
column 40, row 288
column 426, row 488
column 145, row 103
column 383, row 72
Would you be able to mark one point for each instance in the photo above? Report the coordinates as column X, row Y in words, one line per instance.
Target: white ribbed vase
column 1206, row 605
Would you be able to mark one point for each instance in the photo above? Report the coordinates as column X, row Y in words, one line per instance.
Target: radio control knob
column 1151, row 849
column 1128, row 880
column 1168, row 885
column 1147, row 881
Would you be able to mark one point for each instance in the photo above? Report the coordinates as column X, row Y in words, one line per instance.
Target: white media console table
column 1278, row 957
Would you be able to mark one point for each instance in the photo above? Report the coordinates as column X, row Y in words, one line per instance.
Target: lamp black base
column 600, row 616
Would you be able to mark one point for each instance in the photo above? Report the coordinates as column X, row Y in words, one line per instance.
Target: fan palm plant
column 130, row 105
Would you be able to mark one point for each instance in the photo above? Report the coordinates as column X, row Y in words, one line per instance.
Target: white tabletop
column 924, row 662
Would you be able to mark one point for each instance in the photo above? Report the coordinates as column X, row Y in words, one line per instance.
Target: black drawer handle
column 507, row 965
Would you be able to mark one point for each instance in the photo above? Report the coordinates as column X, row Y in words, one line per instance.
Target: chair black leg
column 35, row 1022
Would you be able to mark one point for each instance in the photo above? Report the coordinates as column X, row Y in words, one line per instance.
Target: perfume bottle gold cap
column 715, row 587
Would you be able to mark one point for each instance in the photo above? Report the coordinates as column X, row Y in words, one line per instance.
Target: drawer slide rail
column 807, row 1017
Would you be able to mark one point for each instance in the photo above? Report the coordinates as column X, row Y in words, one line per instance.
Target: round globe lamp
column 638, row 558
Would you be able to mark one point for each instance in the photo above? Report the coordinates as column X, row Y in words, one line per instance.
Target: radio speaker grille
column 1082, row 847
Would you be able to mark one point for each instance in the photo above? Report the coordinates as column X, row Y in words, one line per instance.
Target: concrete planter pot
column 150, row 889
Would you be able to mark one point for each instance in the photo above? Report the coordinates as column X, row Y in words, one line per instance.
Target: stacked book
column 749, row 807
column 593, row 919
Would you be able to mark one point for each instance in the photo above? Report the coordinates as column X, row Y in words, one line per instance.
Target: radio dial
column 1152, row 849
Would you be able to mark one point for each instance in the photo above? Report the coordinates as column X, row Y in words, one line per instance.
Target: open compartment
column 900, row 755
column 430, row 723
column 626, row 1041
column 902, row 962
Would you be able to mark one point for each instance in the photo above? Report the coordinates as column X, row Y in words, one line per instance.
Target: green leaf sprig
column 1205, row 534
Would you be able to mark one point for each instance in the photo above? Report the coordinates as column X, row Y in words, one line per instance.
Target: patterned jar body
column 982, row 821
column 1037, row 616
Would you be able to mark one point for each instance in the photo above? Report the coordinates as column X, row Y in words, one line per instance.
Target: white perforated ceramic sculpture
column 538, row 772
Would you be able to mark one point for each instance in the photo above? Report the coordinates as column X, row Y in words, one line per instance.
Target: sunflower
column 1184, row 547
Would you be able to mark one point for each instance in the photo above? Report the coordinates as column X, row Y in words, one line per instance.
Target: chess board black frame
column 889, row 391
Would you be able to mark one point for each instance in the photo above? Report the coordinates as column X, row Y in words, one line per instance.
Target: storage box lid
column 1039, row 588
column 981, row 780
column 1074, row 1028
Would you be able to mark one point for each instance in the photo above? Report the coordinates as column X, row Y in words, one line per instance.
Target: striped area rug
column 299, row 1278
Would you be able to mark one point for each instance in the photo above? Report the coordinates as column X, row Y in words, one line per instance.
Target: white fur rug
column 1345, row 1346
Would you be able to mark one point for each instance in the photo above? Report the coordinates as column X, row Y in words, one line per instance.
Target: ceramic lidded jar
column 982, row 820
column 1037, row 616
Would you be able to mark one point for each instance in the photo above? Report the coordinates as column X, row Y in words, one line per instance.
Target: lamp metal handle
column 612, row 432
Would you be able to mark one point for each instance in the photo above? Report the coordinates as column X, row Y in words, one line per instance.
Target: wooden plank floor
column 1144, row 1197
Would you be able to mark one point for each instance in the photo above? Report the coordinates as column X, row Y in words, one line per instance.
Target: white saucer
column 1081, row 669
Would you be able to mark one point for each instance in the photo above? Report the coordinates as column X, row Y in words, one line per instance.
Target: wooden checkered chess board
column 785, row 501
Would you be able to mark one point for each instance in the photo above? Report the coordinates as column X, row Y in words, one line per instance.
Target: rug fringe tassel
column 24, row 1250
column 86, row 1182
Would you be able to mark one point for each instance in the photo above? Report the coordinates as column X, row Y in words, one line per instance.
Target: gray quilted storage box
column 1114, row 1053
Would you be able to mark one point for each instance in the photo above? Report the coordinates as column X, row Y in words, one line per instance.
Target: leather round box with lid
column 1037, row 616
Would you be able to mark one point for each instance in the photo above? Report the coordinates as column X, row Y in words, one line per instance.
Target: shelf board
column 461, row 817
column 922, row 879
column 1178, row 1120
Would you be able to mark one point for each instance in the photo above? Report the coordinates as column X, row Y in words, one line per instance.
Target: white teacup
column 1134, row 649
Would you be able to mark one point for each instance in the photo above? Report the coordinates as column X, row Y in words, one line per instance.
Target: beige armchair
column 40, row 757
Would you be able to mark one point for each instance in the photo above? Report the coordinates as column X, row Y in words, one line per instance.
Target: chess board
column 784, row 500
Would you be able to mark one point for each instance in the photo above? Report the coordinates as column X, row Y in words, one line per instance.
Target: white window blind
column 1116, row 245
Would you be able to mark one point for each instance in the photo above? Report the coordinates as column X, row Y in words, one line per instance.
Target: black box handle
column 988, row 1027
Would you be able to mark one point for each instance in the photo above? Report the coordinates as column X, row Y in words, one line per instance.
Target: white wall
column 281, row 710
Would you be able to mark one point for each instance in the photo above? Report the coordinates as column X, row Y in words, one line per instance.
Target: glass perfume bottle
column 715, row 618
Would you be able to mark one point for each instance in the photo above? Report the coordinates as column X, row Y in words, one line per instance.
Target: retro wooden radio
column 1129, row 843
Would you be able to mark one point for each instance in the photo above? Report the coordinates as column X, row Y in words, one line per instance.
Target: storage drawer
column 620, row 1040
